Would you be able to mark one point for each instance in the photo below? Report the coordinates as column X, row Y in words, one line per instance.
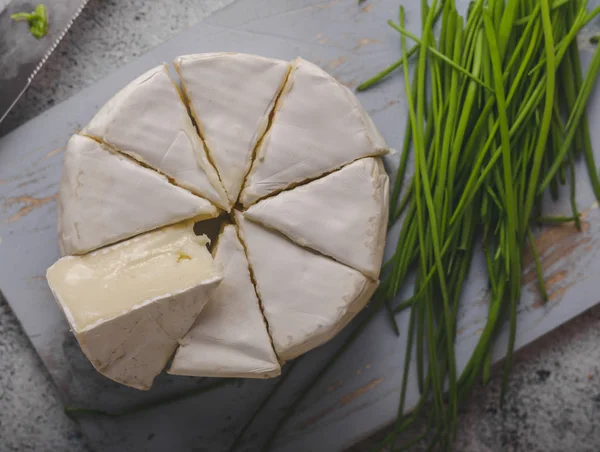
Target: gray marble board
column 359, row 394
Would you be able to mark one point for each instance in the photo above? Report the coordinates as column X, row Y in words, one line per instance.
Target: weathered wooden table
column 359, row 394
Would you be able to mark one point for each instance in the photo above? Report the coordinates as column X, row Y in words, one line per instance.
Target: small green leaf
column 21, row 16
column 37, row 20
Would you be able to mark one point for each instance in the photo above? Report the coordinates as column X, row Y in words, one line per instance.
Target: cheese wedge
column 231, row 96
column 351, row 206
column 229, row 338
column 105, row 197
column 148, row 121
column 307, row 298
column 130, row 303
column 318, row 126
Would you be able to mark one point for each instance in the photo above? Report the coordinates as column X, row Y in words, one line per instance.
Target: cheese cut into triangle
column 307, row 298
column 231, row 96
column 148, row 121
column 351, row 206
column 105, row 197
column 318, row 126
column 130, row 303
column 229, row 338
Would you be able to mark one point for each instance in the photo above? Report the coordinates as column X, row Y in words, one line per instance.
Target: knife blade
column 21, row 54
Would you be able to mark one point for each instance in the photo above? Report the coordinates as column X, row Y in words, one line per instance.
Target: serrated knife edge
column 45, row 57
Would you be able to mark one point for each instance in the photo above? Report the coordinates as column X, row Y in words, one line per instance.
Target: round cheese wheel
column 285, row 161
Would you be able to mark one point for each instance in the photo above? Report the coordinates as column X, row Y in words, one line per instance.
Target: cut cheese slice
column 352, row 208
column 307, row 298
column 229, row 338
column 318, row 126
column 148, row 121
column 129, row 304
column 105, row 197
column 231, row 96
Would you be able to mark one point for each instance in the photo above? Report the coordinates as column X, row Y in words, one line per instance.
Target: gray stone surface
column 554, row 397
column 31, row 415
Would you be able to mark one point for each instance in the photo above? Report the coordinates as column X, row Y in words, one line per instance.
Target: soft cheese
column 351, row 206
column 229, row 337
column 307, row 298
column 283, row 146
column 129, row 304
column 231, row 96
column 318, row 126
column 105, row 197
column 149, row 121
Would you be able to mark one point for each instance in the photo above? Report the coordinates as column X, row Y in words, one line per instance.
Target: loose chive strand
column 420, row 344
column 404, row 202
column 557, row 134
column 505, row 26
column 439, row 55
column 538, row 267
column 446, row 40
column 415, row 298
column 548, row 158
column 570, row 85
column 417, row 133
column 572, row 128
column 572, row 190
column 581, row 21
column 391, row 317
column 407, row 360
column 387, row 71
column 524, row 39
column 555, row 220
column 416, row 124
column 392, row 67
column 493, row 283
column 401, row 173
column 433, row 224
column 448, row 133
column 585, row 129
column 504, row 130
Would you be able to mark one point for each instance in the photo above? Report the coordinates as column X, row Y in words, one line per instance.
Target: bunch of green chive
column 496, row 117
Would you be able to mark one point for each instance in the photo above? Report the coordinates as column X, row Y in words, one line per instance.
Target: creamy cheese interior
column 110, row 281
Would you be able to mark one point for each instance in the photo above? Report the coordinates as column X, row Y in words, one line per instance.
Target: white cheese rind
column 307, row 298
column 131, row 344
column 318, row 126
column 351, row 206
column 229, row 337
column 148, row 121
column 231, row 96
column 105, row 197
